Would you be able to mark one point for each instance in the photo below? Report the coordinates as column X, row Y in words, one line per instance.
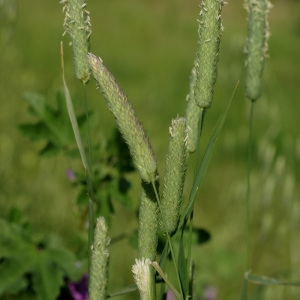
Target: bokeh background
column 150, row 46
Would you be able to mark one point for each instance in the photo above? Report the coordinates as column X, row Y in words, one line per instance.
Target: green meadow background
column 150, row 46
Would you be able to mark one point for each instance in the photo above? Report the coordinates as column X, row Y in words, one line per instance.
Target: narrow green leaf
column 156, row 266
column 205, row 161
column 75, row 127
column 162, row 263
column 259, row 279
column 125, row 290
column 182, row 269
column 245, row 290
column 77, row 135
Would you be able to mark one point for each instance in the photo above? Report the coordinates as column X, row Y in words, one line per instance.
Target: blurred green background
column 150, row 46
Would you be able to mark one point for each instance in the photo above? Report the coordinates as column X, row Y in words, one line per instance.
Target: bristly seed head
column 77, row 24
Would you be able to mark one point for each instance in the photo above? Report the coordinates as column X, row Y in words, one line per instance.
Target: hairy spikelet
column 148, row 222
column 174, row 176
column 257, row 45
column 208, row 51
column 77, row 25
column 99, row 262
column 127, row 121
column 142, row 274
column 193, row 116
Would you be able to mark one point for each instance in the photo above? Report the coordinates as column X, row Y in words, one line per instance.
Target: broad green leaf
column 47, row 277
column 20, row 256
column 53, row 124
column 13, row 271
column 58, row 128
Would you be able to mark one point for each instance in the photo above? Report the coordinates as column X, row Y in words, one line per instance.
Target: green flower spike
column 99, row 262
column 77, row 25
column 207, row 56
column 174, row 176
column 257, row 45
column 148, row 222
column 193, row 116
column 127, row 121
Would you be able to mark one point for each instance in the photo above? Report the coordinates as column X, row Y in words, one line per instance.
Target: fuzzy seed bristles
column 148, row 222
column 209, row 34
column 127, row 121
column 174, row 176
column 142, row 276
column 99, row 262
column 256, row 46
column 77, row 24
column 193, row 116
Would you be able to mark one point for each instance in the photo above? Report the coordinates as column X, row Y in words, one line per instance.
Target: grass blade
column 264, row 280
column 78, row 139
column 205, row 161
column 73, row 119
column 125, row 290
column 156, row 266
column 182, row 269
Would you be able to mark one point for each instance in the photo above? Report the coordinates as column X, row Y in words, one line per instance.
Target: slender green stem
column 85, row 162
column 247, row 225
column 200, row 124
column 165, row 278
column 86, row 108
column 189, row 250
column 89, row 178
column 169, row 242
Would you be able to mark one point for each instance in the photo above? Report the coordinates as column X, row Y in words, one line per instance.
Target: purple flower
column 79, row 290
column 70, row 175
column 210, row 293
column 170, row 295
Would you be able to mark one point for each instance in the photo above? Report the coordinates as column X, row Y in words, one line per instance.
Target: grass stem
column 169, row 242
column 249, row 167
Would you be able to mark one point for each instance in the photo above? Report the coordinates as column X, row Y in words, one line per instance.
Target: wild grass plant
column 177, row 233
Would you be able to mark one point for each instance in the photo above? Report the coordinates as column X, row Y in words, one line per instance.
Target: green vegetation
column 150, row 47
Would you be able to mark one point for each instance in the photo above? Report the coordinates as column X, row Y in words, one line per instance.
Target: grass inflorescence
column 164, row 215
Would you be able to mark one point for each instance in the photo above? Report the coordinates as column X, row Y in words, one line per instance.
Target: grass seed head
column 193, row 114
column 77, row 24
column 256, row 46
column 142, row 277
column 99, row 262
column 174, row 176
column 209, row 34
column 131, row 128
column 148, row 222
